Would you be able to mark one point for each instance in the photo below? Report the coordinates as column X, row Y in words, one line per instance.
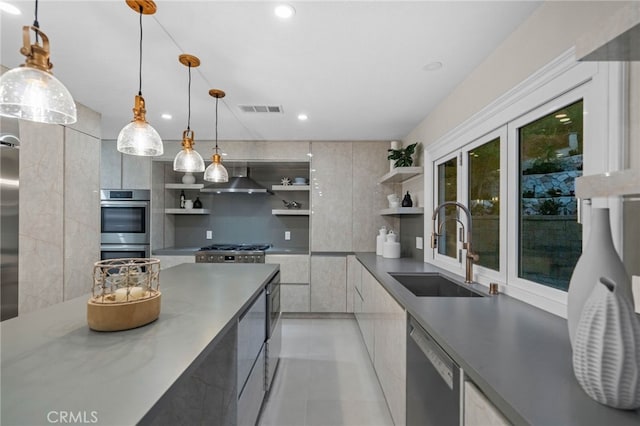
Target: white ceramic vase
column 188, row 178
column 599, row 259
column 606, row 350
column 380, row 240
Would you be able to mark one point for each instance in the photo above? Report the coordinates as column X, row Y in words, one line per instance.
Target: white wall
column 551, row 30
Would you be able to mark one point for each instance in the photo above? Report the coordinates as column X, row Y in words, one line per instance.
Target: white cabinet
column 294, row 281
column 345, row 194
column 119, row 170
column 383, row 324
column 328, row 283
column 136, row 171
column 369, row 284
column 110, row 165
column 478, row 410
column 331, row 197
column 390, row 349
column 354, row 280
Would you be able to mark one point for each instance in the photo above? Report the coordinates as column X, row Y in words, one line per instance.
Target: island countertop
column 52, row 362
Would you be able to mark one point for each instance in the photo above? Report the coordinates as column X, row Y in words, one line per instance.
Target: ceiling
column 356, row 68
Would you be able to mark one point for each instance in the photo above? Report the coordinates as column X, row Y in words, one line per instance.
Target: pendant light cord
column 216, row 124
column 189, row 91
column 140, row 61
column 35, row 20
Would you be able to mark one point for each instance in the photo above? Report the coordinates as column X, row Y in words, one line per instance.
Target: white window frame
column 482, row 273
column 604, row 87
column 453, row 264
column 556, row 296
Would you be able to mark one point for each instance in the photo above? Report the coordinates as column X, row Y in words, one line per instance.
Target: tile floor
column 325, row 378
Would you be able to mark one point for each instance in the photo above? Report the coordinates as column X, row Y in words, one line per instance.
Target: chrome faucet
column 470, row 256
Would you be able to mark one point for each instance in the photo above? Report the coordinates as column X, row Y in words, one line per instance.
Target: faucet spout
column 470, row 257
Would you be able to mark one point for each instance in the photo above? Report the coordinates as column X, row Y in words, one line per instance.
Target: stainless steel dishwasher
column 433, row 381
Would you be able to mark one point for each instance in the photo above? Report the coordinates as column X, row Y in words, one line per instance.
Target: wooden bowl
column 124, row 315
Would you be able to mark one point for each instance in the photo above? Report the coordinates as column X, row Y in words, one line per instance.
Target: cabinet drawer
column 478, row 410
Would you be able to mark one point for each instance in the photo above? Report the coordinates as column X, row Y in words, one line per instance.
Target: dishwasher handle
column 444, row 366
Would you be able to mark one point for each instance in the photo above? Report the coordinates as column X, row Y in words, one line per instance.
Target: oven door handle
column 123, row 247
column 124, row 203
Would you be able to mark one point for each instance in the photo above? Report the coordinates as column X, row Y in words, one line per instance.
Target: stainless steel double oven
column 125, row 222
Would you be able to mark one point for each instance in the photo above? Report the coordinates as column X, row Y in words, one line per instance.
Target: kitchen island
column 55, row 369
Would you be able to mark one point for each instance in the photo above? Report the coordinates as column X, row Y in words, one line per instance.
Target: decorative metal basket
column 125, row 294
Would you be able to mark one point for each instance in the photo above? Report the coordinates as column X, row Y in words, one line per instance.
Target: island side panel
column 206, row 395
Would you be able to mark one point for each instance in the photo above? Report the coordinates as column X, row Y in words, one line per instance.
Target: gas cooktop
column 232, row 253
column 236, row 247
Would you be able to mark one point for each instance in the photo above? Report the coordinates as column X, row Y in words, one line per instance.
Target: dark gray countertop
column 520, row 356
column 52, row 362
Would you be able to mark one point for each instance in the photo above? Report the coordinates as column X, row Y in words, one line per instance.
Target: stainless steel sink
column 433, row 285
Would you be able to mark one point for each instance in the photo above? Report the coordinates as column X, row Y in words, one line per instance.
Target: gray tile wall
column 411, row 227
column 241, row 218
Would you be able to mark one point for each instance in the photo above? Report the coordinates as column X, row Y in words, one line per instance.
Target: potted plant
column 402, row 156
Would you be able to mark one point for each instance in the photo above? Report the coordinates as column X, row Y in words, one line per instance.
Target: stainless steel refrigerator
column 9, row 216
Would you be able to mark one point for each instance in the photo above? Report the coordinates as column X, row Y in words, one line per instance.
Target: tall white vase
column 599, row 259
column 606, row 351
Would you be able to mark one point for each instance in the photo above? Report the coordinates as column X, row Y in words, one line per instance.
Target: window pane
column 484, row 201
column 550, row 161
column 447, row 191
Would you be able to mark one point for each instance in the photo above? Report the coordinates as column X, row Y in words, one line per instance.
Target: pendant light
column 31, row 92
column 216, row 172
column 188, row 159
column 138, row 137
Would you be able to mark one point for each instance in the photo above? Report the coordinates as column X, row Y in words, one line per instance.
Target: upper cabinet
column 331, row 196
column 119, row 170
column 345, row 193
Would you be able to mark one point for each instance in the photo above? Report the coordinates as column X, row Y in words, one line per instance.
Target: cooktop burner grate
column 236, row 247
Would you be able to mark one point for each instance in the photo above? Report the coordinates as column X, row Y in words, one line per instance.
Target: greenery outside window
column 448, row 191
column 550, row 159
column 484, row 202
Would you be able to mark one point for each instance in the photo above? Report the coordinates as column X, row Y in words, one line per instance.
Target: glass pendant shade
column 188, row 160
column 216, row 172
column 35, row 95
column 138, row 137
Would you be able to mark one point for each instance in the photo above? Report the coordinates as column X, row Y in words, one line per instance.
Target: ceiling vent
column 261, row 108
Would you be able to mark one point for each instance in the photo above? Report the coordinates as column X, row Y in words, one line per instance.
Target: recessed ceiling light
column 565, row 119
column 302, row 117
column 561, row 115
column 9, row 8
column 284, row 11
column 432, row 66
column 167, row 116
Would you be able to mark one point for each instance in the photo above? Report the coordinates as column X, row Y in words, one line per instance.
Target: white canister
column 392, row 237
column 188, row 204
column 391, row 250
column 380, row 240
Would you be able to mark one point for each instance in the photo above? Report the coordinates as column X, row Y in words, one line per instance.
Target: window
column 550, row 159
column 447, row 191
column 484, row 202
column 514, row 164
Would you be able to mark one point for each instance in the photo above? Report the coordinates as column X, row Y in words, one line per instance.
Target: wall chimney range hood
column 239, row 182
